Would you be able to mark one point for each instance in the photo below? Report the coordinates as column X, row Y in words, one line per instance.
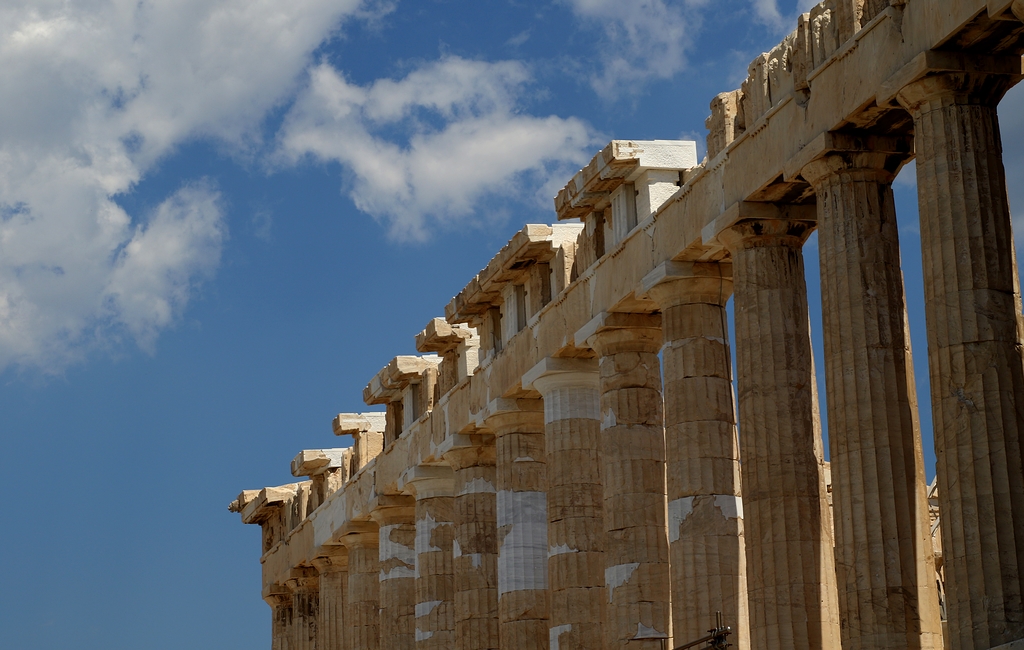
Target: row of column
column 609, row 513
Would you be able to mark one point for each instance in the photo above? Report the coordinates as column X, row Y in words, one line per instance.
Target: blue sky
column 218, row 218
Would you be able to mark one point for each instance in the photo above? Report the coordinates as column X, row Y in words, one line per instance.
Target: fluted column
column 362, row 619
column 280, row 602
column 636, row 570
column 791, row 584
column 972, row 307
column 522, row 521
column 705, row 510
column 884, row 563
column 333, row 573
column 397, row 556
column 435, row 579
column 305, row 588
column 475, row 544
column 575, row 500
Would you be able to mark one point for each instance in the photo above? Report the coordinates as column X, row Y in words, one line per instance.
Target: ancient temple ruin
column 561, row 467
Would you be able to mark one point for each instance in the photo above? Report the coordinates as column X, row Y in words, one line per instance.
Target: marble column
column 305, row 588
column 632, row 446
column 884, row 563
column 435, row 579
column 522, row 521
column 362, row 618
column 475, row 543
column 280, row 602
column 705, row 510
column 973, row 311
column 575, row 500
column 333, row 573
column 791, row 585
column 397, row 557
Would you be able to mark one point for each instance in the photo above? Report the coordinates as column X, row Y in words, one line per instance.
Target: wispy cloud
column 643, row 41
column 428, row 148
column 95, row 94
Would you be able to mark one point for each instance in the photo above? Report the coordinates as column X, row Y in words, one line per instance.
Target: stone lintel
column 441, row 336
column 353, row 424
column 934, row 61
column 615, row 320
column 621, row 161
column 311, row 462
column 269, row 499
column 756, row 211
column 896, row 148
column 387, row 385
column 533, row 244
column 554, row 366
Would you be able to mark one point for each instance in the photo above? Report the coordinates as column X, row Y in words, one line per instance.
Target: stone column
column 791, row 584
column 362, row 618
column 397, row 522
column 522, row 521
column 333, row 573
column 475, row 544
column 705, row 511
column 972, row 307
column 280, row 601
column 305, row 588
column 575, row 500
column 632, row 447
column 435, row 579
column 884, row 563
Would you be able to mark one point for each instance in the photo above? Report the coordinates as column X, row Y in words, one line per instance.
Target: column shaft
column 280, row 621
column 972, row 306
column 575, row 501
column 522, row 522
column 333, row 571
column 705, row 511
column 884, row 563
column 305, row 610
column 435, row 579
column 397, row 576
column 475, row 547
column 362, row 625
column 791, row 571
column 633, row 475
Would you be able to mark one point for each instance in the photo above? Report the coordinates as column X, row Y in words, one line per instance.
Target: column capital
column 872, row 157
column 303, row 579
column 1018, row 9
column 613, row 332
column 718, row 231
column 277, row 595
column 359, row 534
column 935, row 79
column 333, row 560
column 679, row 283
column 428, row 482
column 504, row 416
column 462, row 450
column 759, row 233
column 395, row 509
column 553, row 373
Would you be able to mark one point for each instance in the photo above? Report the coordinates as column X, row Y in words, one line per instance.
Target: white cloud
column 428, row 147
column 94, row 95
column 645, row 40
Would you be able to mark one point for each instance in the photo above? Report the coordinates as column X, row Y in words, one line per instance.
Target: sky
column 219, row 218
